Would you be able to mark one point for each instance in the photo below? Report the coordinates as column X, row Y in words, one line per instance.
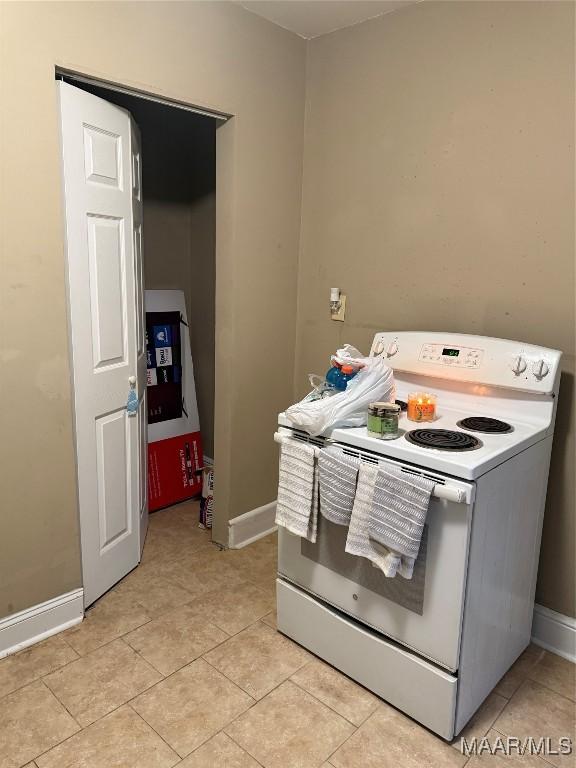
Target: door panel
column 102, row 153
column 106, row 321
column 113, row 471
column 108, row 289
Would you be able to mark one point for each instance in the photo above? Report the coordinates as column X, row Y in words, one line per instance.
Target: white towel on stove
column 338, row 475
column 297, row 505
column 399, row 508
column 358, row 541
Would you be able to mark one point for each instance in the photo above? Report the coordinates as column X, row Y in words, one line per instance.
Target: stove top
column 443, row 439
column 495, row 399
column 468, row 456
column 484, row 424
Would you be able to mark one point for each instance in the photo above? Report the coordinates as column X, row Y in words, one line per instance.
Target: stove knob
column 518, row 365
column 392, row 349
column 540, row 369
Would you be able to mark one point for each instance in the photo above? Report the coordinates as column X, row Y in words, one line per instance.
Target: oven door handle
column 450, row 493
column 440, row 491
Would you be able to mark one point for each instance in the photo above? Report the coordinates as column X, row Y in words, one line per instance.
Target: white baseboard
column 554, row 632
column 40, row 621
column 251, row 526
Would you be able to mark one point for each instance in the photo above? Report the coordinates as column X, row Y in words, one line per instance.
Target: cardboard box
column 207, row 500
column 174, row 470
column 171, row 391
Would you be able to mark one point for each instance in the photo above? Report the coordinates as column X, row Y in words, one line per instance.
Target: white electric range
column 435, row 646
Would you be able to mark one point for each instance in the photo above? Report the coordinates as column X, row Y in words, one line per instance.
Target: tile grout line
column 221, row 730
column 46, row 751
column 149, row 663
column 207, row 739
column 83, row 727
column 509, row 701
column 39, row 677
column 310, row 693
column 456, row 746
column 328, row 705
column 288, row 679
column 62, row 636
column 256, row 701
column 128, row 704
column 167, row 677
column 504, row 736
column 98, row 720
column 354, row 732
column 109, row 642
column 240, row 747
column 540, row 685
column 45, row 684
column 547, row 687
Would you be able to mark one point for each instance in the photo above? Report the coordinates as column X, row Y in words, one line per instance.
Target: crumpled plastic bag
column 374, row 382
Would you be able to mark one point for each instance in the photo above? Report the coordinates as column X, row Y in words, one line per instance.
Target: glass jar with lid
column 383, row 420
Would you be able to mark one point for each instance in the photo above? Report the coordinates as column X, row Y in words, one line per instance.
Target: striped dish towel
column 358, row 541
column 338, row 475
column 297, row 505
column 398, row 513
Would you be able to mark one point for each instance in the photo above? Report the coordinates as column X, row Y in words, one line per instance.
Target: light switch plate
column 342, row 311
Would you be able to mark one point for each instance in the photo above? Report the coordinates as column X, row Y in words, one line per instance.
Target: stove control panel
column 460, row 357
column 474, row 359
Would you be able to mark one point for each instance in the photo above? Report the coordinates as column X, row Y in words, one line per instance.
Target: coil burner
column 443, row 439
column 485, row 424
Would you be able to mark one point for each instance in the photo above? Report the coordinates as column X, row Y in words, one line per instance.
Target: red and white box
column 174, row 470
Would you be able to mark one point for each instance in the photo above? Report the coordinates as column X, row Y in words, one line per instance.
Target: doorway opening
column 178, row 195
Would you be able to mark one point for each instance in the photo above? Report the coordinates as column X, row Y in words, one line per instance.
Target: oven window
column 329, row 552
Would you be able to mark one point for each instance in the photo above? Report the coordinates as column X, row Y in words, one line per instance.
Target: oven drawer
column 416, row 687
column 424, row 613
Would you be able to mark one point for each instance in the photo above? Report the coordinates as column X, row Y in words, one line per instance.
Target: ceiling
column 311, row 18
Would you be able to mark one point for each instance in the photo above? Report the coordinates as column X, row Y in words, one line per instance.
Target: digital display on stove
column 450, row 352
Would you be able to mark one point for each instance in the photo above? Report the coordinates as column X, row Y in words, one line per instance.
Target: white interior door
column 104, row 256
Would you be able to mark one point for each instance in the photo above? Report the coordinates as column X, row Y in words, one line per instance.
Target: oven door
column 423, row 613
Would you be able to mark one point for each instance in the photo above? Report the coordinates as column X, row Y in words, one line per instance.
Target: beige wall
column 202, row 312
column 439, row 194
column 211, row 54
column 167, row 246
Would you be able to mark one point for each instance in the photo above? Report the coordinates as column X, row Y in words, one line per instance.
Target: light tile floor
column 181, row 665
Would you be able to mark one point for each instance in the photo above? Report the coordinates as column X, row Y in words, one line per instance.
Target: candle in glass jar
column 421, row 406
